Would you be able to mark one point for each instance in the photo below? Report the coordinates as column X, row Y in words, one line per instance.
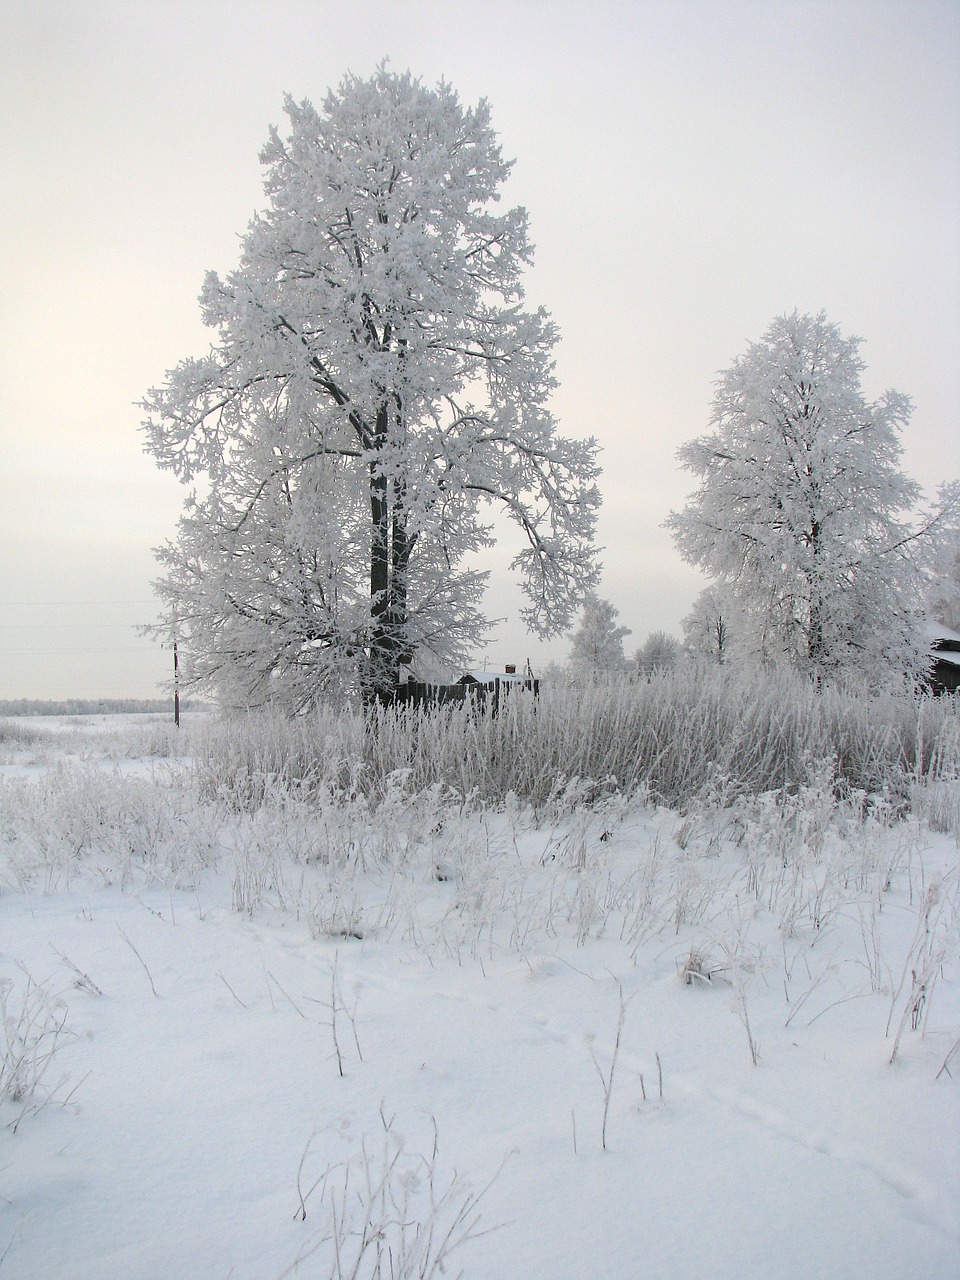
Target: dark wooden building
column 945, row 646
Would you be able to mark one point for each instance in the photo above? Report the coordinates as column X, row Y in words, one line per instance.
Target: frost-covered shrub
column 32, row 1031
column 386, row 1214
column 15, row 733
column 242, row 758
column 116, row 826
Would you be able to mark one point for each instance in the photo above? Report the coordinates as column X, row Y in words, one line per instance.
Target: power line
column 58, row 604
column 39, row 653
column 62, row 626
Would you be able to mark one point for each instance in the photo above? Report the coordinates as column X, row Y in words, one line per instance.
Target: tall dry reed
column 681, row 737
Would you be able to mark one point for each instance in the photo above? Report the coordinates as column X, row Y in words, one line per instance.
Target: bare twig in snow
column 139, row 957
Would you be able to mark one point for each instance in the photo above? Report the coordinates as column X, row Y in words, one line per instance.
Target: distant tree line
column 89, row 706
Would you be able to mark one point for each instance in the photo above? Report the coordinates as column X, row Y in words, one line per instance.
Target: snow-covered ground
column 605, row 1042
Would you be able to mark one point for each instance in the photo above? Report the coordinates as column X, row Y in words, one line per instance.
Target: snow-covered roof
column 945, row 643
column 937, row 631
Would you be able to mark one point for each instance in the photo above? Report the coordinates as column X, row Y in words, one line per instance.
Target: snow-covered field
column 325, row 1036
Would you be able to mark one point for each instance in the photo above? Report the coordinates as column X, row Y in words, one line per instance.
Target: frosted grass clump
column 116, row 826
column 697, row 733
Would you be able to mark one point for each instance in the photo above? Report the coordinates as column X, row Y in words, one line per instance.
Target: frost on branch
column 802, row 513
column 374, row 387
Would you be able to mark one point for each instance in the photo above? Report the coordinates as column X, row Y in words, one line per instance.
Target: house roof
column 945, row 643
column 937, row 631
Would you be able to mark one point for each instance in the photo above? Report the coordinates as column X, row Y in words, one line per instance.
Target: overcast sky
column 692, row 168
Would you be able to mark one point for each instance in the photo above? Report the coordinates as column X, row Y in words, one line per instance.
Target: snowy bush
column 116, row 826
column 32, row 1032
column 387, row 1214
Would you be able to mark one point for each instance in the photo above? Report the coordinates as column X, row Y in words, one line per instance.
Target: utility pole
column 176, row 683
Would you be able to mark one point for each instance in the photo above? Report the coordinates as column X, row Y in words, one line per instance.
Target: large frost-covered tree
column 802, row 511
column 374, row 390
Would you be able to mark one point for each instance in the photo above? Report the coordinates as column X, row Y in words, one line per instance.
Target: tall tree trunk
column 400, row 550
column 377, row 677
column 816, row 641
column 391, row 546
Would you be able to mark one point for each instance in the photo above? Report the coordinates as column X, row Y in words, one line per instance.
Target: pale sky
column 692, row 168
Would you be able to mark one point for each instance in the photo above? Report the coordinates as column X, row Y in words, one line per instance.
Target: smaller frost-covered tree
column 802, row 510
column 711, row 628
column 943, row 591
column 597, row 648
column 658, row 653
